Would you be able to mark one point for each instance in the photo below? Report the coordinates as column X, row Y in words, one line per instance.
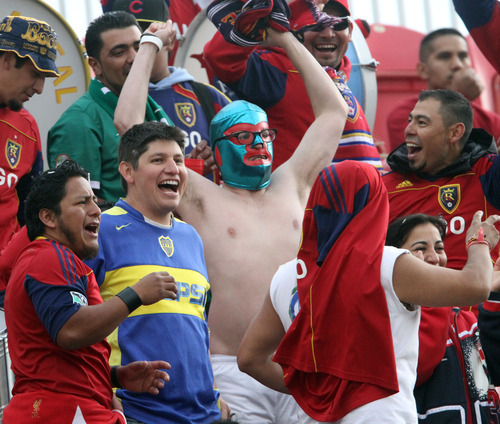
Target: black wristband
column 130, row 298
column 114, row 377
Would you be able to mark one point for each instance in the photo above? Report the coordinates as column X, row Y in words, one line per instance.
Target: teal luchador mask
column 242, row 145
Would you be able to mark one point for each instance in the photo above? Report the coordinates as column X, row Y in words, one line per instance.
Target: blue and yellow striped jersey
column 176, row 331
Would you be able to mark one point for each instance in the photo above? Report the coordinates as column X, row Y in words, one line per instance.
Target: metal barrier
column 6, row 376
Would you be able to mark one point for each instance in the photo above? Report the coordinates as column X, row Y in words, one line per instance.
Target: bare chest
column 242, row 237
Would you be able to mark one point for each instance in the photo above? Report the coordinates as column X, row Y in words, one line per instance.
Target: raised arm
column 131, row 107
column 419, row 283
column 320, row 142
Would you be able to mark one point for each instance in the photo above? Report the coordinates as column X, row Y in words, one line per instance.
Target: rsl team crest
column 186, row 113
column 13, row 153
column 449, row 197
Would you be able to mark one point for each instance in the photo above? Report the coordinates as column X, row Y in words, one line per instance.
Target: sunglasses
column 248, row 137
column 342, row 24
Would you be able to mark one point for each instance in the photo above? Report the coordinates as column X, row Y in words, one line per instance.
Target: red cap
column 344, row 4
column 300, row 14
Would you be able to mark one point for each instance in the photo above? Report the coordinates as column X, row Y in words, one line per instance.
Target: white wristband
column 150, row 38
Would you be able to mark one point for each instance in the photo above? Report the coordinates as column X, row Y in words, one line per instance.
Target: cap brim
column 41, row 63
column 46, row 65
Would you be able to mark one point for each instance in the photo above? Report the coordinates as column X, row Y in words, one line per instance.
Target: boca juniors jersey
column 172, row 330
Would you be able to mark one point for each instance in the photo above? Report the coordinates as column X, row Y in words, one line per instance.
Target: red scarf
column 338, row 353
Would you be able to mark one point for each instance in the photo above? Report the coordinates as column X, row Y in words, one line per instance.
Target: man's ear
column 351, row 29
column 422, row 71
column 48, row 218
column 456, row 132
column 95, row 65
column 127, row 171
column 8, row 60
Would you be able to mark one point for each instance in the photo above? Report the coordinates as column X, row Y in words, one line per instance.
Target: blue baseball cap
column 28, row 37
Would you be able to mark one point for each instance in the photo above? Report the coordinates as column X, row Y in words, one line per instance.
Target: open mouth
column 92, row 228
column 257, row 157
column 325, row 48
column 255, row 160
column 413, row 149
column 169, row 185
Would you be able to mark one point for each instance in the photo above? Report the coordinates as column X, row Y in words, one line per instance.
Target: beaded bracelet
column 130, row 298
column 151, row 38
column 479, row 239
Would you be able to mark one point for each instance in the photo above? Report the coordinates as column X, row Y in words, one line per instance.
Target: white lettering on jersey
column 456, row 225
column 10, row 179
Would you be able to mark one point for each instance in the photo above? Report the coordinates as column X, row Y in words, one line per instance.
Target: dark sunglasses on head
column 248, row 137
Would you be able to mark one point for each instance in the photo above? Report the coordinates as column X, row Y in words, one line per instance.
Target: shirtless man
column 250, row 224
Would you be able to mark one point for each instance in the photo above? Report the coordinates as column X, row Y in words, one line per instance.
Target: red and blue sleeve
column 57, row 287
column 482, row 19
column 255, row 74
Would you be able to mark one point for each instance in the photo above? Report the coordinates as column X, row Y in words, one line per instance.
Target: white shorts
column 253, row 402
